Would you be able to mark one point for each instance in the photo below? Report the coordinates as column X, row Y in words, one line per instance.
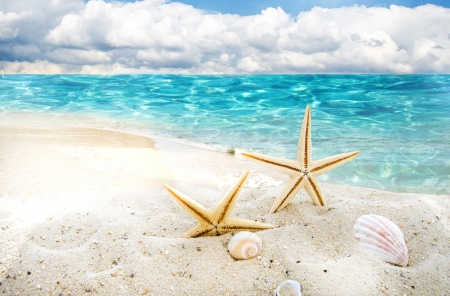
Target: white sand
column 84, row 211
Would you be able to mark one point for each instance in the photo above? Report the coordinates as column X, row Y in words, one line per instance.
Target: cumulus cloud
column 7, row 20
column 160, row 36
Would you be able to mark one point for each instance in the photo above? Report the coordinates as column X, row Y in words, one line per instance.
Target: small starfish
column 303, row 171
column 216, row 222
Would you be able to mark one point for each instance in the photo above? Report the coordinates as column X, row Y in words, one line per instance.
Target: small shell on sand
column 383, row 238
column 244, row 245
column 288, row 288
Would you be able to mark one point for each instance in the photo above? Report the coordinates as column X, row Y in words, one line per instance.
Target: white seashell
column 244, row 245
column 288, row 288
column 383, row 238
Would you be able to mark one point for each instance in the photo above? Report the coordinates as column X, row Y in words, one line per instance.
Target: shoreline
column 356, row 173
column 108, row 227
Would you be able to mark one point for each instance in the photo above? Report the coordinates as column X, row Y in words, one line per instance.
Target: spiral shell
column 244, row 245
column 383, row 238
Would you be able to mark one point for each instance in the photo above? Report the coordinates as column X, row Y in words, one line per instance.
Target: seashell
column 288, row 288
column 244, row 245
column 383, row 238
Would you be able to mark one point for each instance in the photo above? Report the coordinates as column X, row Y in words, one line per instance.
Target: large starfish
column 216, row 222
column 303, row 171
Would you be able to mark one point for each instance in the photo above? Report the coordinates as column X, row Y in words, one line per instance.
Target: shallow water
column 400, row 123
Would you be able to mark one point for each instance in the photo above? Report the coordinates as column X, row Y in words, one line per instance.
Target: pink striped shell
column 383, row 238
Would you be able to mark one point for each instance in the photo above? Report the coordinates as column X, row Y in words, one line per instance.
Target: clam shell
column 244, row 245
column 383, row 238
column 288, row 288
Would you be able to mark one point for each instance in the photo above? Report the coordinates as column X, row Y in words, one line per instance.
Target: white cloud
column 37, row 67
column 252, row 64
column 175, row 59
column 263, row 31
column 431, row 54
column 7, row 22
column 78, row 56
column 159, row 36
column 312, row 32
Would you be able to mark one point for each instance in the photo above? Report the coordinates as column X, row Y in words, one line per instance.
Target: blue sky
column 227, row 36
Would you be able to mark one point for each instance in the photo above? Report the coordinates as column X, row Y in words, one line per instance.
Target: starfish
column 303, row 171
column 216, row 222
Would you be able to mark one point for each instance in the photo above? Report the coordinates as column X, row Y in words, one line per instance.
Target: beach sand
column 84, row 211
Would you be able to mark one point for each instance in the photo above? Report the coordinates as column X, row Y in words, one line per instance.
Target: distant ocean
column 400, row 123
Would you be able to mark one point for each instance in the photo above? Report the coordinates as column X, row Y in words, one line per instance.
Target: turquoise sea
column 400, row 123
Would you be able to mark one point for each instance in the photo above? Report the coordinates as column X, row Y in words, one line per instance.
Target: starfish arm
column 236, row 225
column 314, row 190
column 304, row 150
column 291, row 189
column 282, row 165
column 200, row 230
column 196, row 210
column 325, row 165
column 226, row 205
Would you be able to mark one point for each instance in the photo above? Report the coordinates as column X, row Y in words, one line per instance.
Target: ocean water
column 400, row 123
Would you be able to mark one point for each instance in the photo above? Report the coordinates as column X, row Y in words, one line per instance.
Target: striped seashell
column 244, row 245
column 383, row 238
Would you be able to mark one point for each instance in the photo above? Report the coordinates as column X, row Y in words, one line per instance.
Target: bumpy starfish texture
column 303, row 171
column 216, row 222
